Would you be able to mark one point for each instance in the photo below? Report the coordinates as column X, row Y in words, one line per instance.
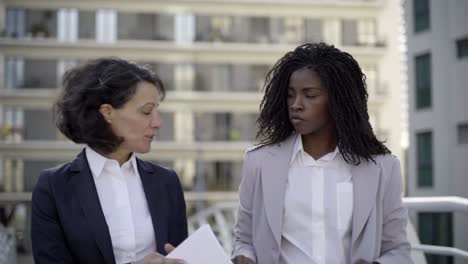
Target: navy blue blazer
column 68, row 225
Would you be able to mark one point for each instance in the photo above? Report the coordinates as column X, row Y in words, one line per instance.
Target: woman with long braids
column 320, row 187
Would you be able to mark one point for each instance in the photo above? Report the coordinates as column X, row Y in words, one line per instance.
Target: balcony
column 305, row 8
column 165, row 52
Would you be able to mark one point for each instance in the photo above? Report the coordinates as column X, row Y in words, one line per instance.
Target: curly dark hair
column 341, row 75
column 86, row 87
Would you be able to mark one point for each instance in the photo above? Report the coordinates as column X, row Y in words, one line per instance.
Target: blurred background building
column 437, row 57
column 213, row 56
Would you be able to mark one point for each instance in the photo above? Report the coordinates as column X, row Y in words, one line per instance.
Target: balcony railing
column 221, row 215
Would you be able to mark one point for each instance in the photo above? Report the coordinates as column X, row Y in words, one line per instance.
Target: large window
column 436, row 229
column 424, row 159
column 421, row 15
column 423, row 81
column 462, row 48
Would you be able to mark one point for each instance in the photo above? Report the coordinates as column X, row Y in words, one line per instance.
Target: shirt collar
column 298, row 151
column 97, row 162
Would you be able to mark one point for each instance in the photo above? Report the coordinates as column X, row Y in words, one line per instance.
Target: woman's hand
column 242, row 260
column 361, row 261
column 156, row 258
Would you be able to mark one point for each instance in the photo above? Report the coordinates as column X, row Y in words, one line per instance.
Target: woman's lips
column 296, row 120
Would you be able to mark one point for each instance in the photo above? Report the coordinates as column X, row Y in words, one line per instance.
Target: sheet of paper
column 201, row 247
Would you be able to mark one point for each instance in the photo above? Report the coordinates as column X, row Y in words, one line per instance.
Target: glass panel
column 87, row 25
column 436, row 229
column 423, row 81
column 462, row 48
column 225, row 126
column 41, row 23
column 349, row 32
column 219, row 175
column 136, row 26
column 424, row 159
column 421, row 15
column 463, row 133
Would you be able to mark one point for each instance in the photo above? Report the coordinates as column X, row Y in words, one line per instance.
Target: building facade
column 437, row 55
column 213, row 57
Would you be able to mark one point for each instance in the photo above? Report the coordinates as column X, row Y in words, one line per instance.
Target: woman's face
column 308, row 107
column 137, row 121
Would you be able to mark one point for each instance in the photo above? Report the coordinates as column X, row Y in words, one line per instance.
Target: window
column 463, row 133
column 421, row 15
column 462, row 48
column 423, row 81
column 436, row 229
column 424, row 159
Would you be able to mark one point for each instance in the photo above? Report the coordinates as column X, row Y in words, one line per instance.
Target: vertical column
column 332, row 31
column 62, row 66
column 184, row 134
column 184, row 76
column 67, row 26
column 184, row 28
column 14, row 73
column 106, row 26
column 366, row 30
column 2, row 72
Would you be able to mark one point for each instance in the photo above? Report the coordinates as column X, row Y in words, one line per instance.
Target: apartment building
column 437, row 55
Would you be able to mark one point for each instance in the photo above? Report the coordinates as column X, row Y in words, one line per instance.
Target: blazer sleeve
column 48, row 240
column 180, row 231
column 395, row 247
column 243, row 245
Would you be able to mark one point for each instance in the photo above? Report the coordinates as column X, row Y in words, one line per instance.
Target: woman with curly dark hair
column 320, row 188
column 107, row 205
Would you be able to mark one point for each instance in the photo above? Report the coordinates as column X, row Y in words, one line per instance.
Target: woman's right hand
column 242, row 260
column 156, row 258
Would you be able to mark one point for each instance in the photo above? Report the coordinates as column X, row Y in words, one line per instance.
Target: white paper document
column 201, row 247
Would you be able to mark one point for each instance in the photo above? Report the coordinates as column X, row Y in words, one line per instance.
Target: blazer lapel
column 365, row 183
column 85, row 189
column 275, row 170
column 154, row 188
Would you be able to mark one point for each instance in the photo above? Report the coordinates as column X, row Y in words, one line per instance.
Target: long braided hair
column 341, row 75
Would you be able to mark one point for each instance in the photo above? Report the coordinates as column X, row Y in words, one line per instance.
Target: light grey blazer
column 378, row 222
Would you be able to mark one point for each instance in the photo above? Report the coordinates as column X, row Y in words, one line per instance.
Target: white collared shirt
column 124, row 205
column 318, row 209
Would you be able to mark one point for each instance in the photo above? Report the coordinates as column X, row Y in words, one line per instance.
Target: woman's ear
column 106, row 111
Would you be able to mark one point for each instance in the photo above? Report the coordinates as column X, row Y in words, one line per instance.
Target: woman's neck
column 318, row 145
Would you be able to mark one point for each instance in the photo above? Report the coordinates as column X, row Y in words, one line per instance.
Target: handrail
column 429, row 204
column 432, row 204
column 437, row 204
column 440, row 250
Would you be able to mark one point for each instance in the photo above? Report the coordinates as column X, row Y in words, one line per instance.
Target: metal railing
column 438, row 204
column 221, row 214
